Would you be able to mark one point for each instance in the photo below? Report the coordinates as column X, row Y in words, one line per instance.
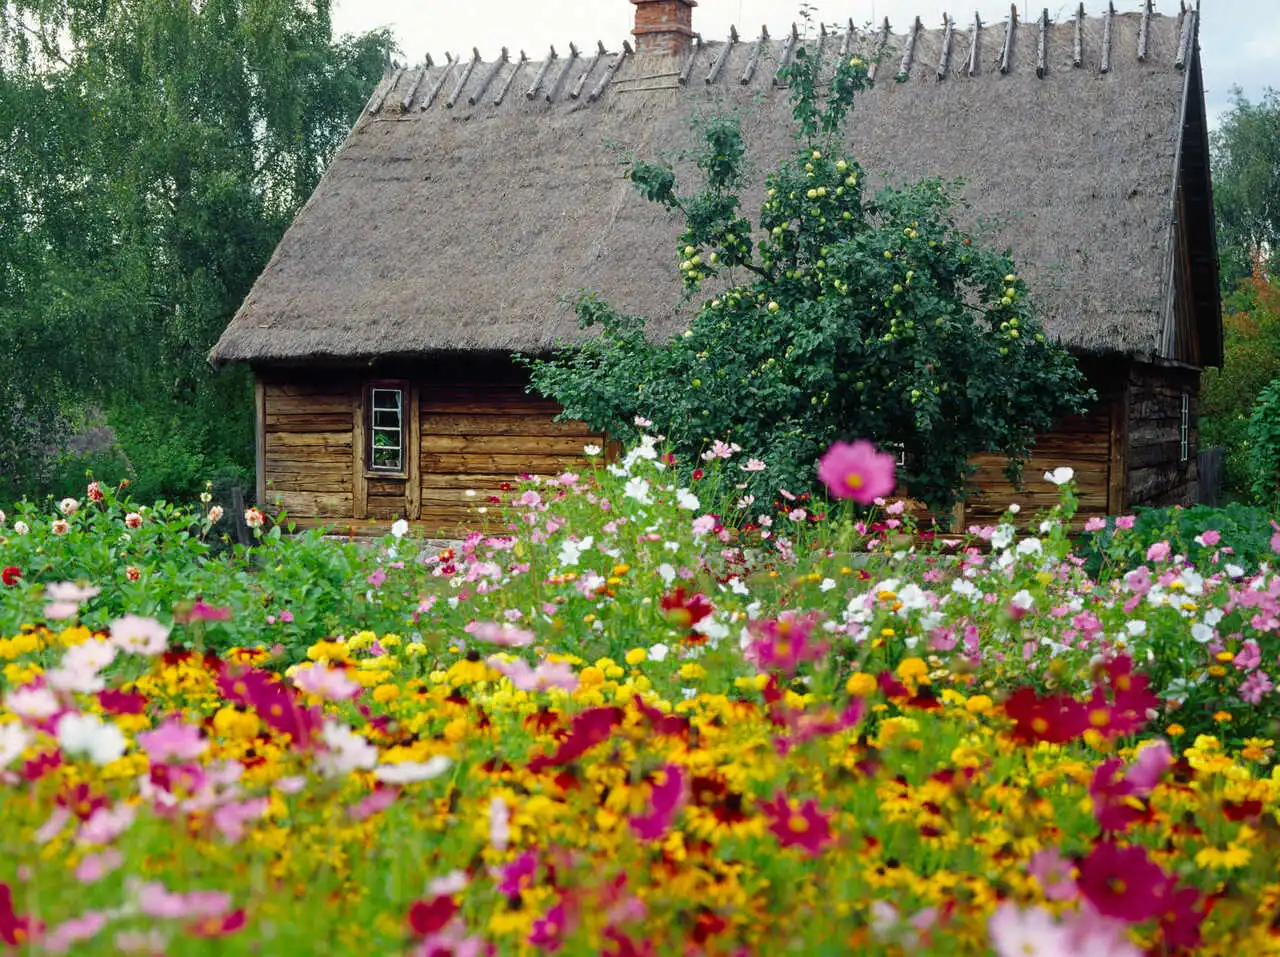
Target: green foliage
column 1246, row 186
column 154, row 155
column 1245, row 538
column 847, row 316
column 1251, row 354
column 1264, row 443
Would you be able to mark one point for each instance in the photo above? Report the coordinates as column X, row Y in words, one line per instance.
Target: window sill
column 372, row 474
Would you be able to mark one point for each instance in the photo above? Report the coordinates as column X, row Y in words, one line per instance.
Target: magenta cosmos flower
column 857, row 471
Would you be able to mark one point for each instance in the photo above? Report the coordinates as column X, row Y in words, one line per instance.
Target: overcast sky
column 1240, row 38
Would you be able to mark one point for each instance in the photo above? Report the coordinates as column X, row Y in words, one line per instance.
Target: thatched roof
column 472, row 226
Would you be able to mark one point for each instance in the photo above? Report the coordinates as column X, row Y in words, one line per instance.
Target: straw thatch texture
column 475, row 227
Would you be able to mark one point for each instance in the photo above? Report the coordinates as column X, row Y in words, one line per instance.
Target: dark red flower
column 1057, row 718
column 1181, row 914
column 41, row 765
column 668, row 798
column 15, row 929
column 430, row 917
column 589, row 728
column 222, row 926
column 114, row 701
column 782, row 643
column 80, row 801
column 11, row 575
column 890, row 686
column 685, row 610
column 623, row 946
column 1115, row 801
column 274, row 702
column 662, row 723
column 794, row 825
column 1122, row 882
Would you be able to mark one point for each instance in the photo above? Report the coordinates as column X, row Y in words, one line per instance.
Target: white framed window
column 1184, row 429
column 386, row 451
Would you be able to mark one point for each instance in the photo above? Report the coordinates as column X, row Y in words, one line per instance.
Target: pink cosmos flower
column 525, row 677
column 85, row 927
column 1016, row 932
column 173, row 740
column 753, row 465
column 201, row 610
column 230, row 819
column 506, row 635
column 703, row 525
column 375, row 803
column 1053, row 871
column 325, row 682
column 499, row 824
column 377, row 578
column 857, row 471
column 154, row 900
column 1255, row 687
column 1095, row 524
column 106, row 824
column 1249, row 656
column 668, row 798
column 286, row 616
column 1125, row 521
column 94, row 867
column 1158, row 552
column 1149, row 765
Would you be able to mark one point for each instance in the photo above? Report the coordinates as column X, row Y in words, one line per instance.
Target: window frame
column 1184, row 429
column 372, row 470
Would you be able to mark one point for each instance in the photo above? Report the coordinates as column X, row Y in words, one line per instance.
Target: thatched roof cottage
column 474, row 199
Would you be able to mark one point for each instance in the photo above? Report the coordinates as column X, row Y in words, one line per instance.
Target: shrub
column 1264, row 444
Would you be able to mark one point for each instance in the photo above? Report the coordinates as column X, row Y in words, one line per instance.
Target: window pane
column 387, row 399
column 388, row 459
column 386, row 419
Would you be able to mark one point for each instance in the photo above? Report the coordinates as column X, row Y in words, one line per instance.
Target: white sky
column 1240, row 38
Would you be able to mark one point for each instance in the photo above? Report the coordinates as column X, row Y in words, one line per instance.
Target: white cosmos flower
column 400, row 528
column 1136, row 627
column 1061, row 475
column 659, row 652
column 1023, row 600
column 14, row 739
column 89, row 736
column 571, row 552
column 638, row 488
column 1002, row 536
column 686, row 499
column 410, row 772
column 1202, row 633
column 667, row 572
column 34, row 704
column 591, row 451
column 1029, row 546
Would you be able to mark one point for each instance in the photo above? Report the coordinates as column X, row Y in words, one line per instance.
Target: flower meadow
column 638, row 713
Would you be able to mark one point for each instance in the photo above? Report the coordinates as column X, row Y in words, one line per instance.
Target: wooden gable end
column 1196, row 333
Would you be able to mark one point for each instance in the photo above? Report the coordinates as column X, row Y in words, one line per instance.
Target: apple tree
column 837, row 315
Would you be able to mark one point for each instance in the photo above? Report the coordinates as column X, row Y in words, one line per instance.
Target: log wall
column 1156, row 475
column 306, row 434
column 470, row 428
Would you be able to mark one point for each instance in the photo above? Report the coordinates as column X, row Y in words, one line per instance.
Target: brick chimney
column 664, row 26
